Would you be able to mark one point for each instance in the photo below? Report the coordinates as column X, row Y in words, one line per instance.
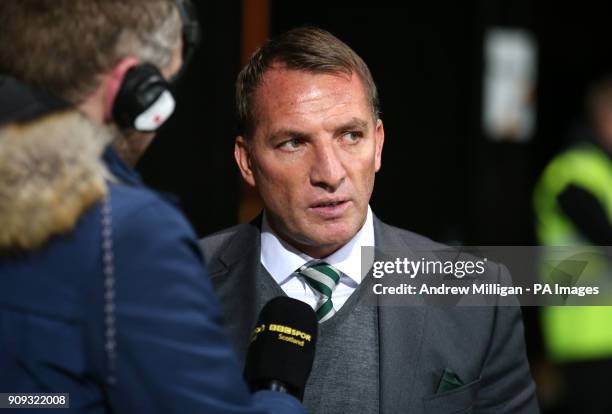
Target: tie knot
column 323, row 278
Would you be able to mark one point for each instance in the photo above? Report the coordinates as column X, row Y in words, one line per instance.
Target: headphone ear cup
column 144, row 101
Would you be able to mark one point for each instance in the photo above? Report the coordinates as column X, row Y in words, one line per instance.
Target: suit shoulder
column 412, row 238
column 423, row 243
column 213, row 244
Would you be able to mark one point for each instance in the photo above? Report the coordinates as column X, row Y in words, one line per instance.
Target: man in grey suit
column 311, row 143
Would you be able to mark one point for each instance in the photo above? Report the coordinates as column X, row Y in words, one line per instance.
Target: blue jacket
column 171, row 354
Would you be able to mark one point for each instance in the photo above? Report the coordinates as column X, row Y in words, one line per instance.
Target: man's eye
column 290, row 144
column 352, row 137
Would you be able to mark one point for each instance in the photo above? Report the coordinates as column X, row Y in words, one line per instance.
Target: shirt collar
column 281, row 259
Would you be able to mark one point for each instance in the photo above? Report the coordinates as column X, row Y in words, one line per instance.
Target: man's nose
column 327, row 170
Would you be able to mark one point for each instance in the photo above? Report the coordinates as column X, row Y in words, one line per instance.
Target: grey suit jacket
column 483, row 345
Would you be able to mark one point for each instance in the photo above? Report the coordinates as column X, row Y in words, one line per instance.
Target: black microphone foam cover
column 282, row 346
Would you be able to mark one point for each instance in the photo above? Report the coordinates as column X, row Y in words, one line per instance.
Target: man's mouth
column 330, row 208
column 329, row 204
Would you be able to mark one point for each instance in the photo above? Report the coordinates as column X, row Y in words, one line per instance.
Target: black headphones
column 144, row 100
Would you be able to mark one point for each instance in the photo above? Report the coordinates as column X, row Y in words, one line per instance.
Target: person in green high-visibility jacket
column 573, row 206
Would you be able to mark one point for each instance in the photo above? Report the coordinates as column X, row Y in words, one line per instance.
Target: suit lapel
column 235, row 277
column 400, row 332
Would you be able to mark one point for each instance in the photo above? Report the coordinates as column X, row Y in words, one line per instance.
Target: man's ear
column 380, row 140
column 242, row 154
column 113, row 83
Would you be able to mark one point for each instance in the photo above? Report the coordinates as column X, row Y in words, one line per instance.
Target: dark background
column 441, row 177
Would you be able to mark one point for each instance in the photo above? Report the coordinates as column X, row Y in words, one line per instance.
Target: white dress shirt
column 282, row 260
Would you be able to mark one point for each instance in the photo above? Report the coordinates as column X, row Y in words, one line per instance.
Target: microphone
column 282, row 347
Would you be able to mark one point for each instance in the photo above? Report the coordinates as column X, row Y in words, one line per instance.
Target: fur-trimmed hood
column 50, row 173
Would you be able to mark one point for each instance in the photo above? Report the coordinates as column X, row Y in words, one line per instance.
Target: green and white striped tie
column 323, row 278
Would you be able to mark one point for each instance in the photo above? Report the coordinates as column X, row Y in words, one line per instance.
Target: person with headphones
column 104, row 297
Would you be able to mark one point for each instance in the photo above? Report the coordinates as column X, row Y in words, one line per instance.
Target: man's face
column 313, row 155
